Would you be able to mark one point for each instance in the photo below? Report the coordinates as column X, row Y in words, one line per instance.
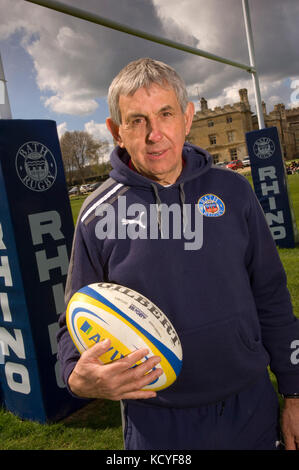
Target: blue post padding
column 36, row 232
column 270, row 184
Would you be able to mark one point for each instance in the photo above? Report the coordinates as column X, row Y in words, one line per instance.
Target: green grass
column 98, row 424
column 76, row 203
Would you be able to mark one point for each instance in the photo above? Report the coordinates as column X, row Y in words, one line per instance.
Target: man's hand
column 290, row 423
column 115, row 381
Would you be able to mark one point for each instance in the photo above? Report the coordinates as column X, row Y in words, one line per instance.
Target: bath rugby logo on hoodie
column 211, row 205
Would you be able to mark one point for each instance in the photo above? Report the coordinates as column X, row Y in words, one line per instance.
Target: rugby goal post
column 100, row 20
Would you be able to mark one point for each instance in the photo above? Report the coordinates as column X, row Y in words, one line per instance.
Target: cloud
column 75, row 61
column 70, row 103
column 61, row 129
column 219, row 27
column 98, row 131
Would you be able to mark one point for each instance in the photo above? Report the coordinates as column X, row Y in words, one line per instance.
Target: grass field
column 98, row 424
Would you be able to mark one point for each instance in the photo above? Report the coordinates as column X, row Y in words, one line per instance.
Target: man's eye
column 167, row 114
column 138, row 121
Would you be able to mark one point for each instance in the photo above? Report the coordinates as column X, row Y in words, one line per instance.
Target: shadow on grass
column 98, row 414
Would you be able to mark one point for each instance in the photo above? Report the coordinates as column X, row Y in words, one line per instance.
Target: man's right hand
column 117, row 380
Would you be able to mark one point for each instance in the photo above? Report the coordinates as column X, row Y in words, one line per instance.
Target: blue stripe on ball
column 175, row 363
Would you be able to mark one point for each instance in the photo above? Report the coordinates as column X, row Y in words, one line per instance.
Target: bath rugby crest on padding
column 211, row 205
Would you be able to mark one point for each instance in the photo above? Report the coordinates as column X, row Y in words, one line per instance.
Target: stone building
column 287, row 123
column 222, row 130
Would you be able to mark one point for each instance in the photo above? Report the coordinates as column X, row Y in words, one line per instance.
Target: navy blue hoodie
column 227, row 298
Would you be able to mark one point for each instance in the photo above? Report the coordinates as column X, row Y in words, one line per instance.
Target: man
column 225, row 295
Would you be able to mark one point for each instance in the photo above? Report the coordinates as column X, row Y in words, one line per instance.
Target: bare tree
column 79, row 149
column 68, row 156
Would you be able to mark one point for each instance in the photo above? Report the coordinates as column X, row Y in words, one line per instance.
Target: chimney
column 203, row 104
column 244, row 95
column 280, row 109
column 264, row 107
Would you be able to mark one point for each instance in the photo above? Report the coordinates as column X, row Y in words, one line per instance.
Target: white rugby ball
column 131, row 321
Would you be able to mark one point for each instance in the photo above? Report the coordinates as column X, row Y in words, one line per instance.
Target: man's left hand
column 290, row 423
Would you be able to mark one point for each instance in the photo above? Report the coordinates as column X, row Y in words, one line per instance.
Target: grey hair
column 143, row 73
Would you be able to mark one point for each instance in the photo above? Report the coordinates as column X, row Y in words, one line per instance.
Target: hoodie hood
column 197, row 162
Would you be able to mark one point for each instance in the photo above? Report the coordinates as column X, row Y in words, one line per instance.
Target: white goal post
column 99, row 20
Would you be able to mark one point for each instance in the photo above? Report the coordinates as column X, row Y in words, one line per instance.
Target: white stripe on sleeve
column 100, row 201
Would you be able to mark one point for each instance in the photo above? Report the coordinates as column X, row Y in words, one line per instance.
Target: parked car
column 84, row 188
column 221, row 164
column 74, row 190
column 94, row 186
column 235, row 165
column 246, row 161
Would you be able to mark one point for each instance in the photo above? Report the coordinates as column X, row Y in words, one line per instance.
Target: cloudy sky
column 59, row 67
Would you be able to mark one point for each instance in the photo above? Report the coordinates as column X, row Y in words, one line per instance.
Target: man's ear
column 113, row 128
column 189, row 113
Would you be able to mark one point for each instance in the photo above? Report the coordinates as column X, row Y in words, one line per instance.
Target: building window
column 231, row 136
column 212, row 139
column 233, row 154
column 229, row 119
column 210, row 123
column 215, row 158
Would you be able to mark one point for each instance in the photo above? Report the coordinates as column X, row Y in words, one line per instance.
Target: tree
column 79, row 150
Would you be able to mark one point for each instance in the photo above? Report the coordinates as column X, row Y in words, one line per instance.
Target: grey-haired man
column 227, row 299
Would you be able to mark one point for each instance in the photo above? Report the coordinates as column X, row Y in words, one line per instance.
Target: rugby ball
column 131, row 321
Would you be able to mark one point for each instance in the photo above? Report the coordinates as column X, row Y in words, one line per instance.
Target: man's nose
column 154, row 133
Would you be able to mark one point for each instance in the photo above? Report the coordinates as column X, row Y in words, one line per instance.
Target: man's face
column 153, row 131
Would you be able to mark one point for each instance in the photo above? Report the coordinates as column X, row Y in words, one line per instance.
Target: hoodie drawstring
column 182, row 199
column 158, row 206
